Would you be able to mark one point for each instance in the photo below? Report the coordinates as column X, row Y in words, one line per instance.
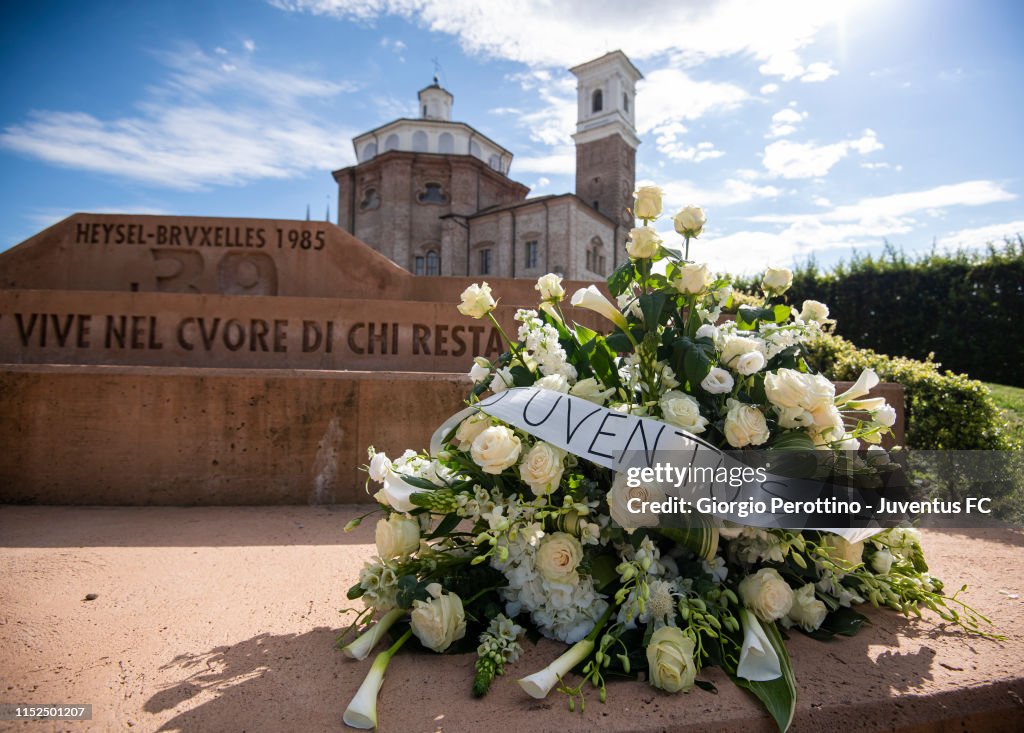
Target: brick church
column 435, row 196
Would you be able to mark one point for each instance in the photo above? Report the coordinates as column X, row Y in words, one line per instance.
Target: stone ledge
column 223, row 618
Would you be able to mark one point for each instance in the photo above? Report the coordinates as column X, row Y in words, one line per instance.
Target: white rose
column 495, row 449
column 619, row 497
column 745, row 425
column 480, row 370
column 542, row 468
column 787, row 388
column 851, row 553
column 766, row 594
column 812, row 310
column 750, row 363
column 397, row 536
column 648, row 202
column 692, row 279
column 690, row 221
column 718, row 381
column 643, row 243
column 503, row 379
column 592, row 299
column 736, row 346
column 558, row 557
column 670, row 660
column 885, row 416
column 550, row 287
column 476, row 301
column 380, row 466
column 682, row 410
column 777, row 280
column 881, row 561
column 590, row 390
column 440, row 621
column 707, row 331
column 820, row 391
column 471, row 427
column 807, row 612
column 554, row 382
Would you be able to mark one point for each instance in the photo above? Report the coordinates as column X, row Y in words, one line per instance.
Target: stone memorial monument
column 180, row 360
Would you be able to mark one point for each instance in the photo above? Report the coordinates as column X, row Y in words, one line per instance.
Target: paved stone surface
column 223, row 619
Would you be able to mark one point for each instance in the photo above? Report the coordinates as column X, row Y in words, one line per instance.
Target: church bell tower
column 606, row 139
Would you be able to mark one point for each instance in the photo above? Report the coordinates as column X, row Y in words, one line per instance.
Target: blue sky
column 802, row 127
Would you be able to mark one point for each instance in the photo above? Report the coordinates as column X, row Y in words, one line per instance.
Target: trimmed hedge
column 965, row 307
column 945, row 411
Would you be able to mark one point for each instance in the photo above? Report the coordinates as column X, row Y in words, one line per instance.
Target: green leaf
column 792, row 440
column 778, row 695
column 521, row 376
column 418, row 482
column 356, row 591
column 842, row 621
column 619, row 280
column 696, row 365
column 602, row 570
column 618, row 342
column 699, row 536
column 445, row 526
column 651, row 306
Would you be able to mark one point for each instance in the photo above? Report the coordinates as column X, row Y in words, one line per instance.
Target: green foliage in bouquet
column 498, row 532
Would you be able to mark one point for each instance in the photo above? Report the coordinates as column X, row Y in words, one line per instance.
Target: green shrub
column 944, row 411
column 964, row 307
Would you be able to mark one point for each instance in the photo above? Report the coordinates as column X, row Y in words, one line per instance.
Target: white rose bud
column 885, row 416
column 397, row 536
column 480, row 370
column 881, row 561
column 670, row 660
column 745, row 425
column 692, row 279
column 503, row 379
column 542, row 468
column 550, row 288
column 718, row 381
column 476, row 301
column 495, row 449
column 812, row 310
column 787, row 388
column 380, row 465
column 690, row 221
column 643, row 243
column 766, row 594
column 554, row 382
column 440, row 621
column 558, row 557
column 777, row 280
column 736, row 346
column 590, row 390
column 682, row 410
column 471, row 427
column 750, row 363
column 807, row 612
column 648, row 202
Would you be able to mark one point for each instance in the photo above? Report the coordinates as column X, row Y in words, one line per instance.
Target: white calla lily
column 866, row 382
column 758, row 660
column 362, row 711
column 539, row 684
column 361, row 647
column 592, row 299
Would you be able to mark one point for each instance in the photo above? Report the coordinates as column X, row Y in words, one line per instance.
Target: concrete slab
column 223, row 619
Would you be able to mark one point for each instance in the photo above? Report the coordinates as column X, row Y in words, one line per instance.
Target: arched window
column 432, row 193
column 474, row 150
column 369, row 150
column 625, row 102
column 370, row 200
column 446, row 143
column 433, row 263
column 597, row 101
column 391, row 143
column 419, row 141
column 495, row 162
column 595, row 256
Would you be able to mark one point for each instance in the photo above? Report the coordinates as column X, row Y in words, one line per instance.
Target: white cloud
column 785, row 121
column 788, row 159
column 666, row 96
column 249, row 44
column 537, row 33
column 679, row 193
column 880, row 166
column 818, row 71
column 206, row 124
column 787, row 65
column 769, row 88
column 671, row 146
column 981, row 236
